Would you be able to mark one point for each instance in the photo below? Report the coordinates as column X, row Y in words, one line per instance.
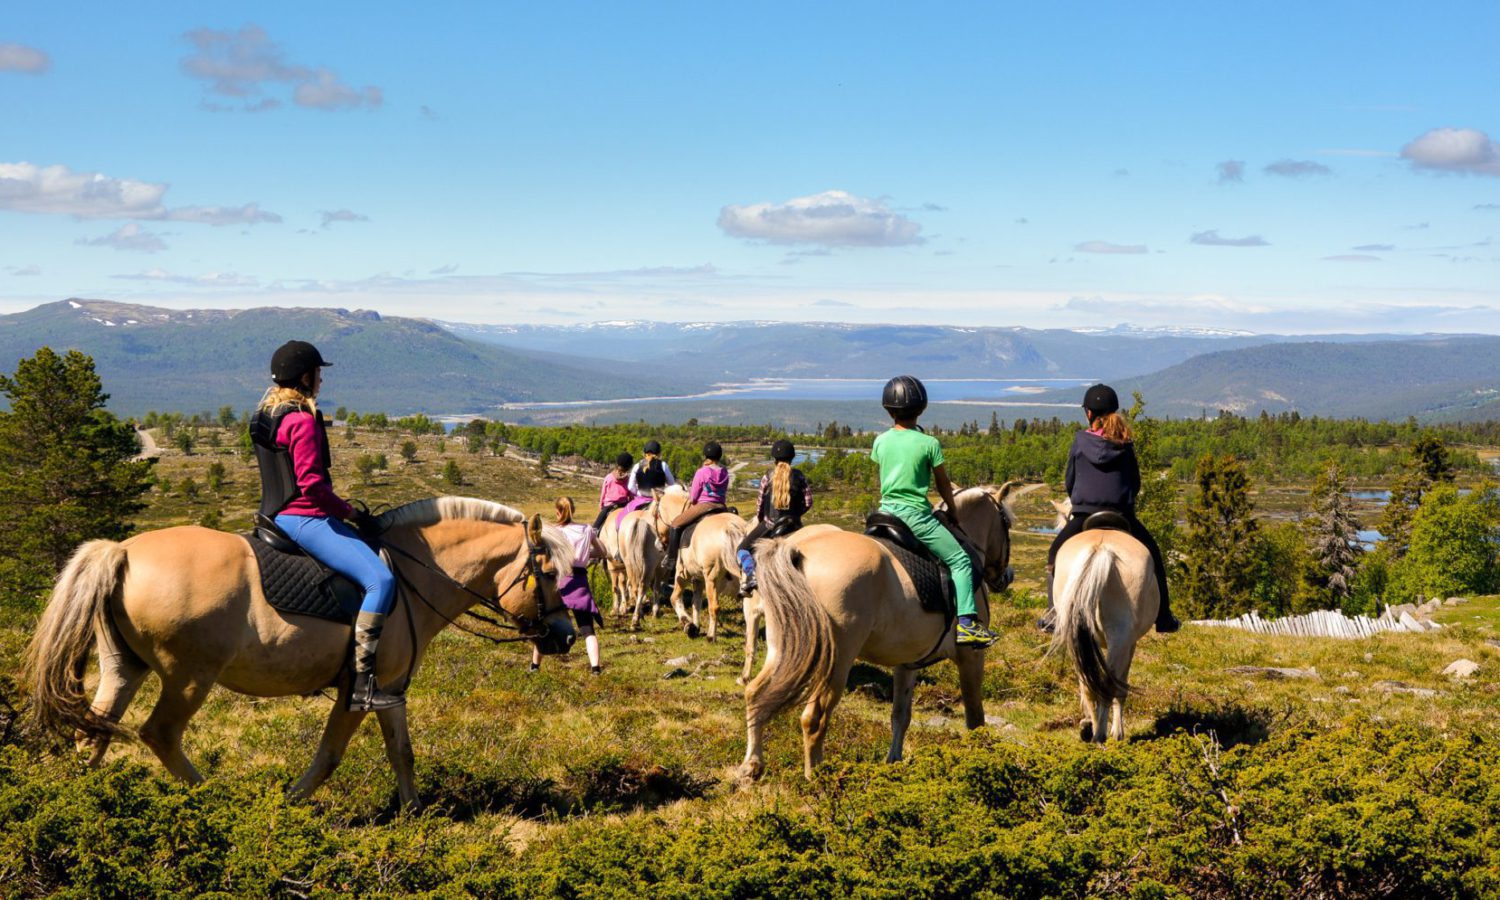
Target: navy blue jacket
column 1102, row 474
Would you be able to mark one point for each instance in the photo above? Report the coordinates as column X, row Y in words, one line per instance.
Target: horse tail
column 734, row 533
column 633, row 546
column 1077, row 632
column 801, row 663
column 59, row 651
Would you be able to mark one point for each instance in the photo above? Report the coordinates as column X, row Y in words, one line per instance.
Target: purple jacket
column 710, row 485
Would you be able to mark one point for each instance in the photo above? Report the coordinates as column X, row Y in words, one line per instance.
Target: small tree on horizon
column 452, row 473
column 409, row 451
column 1219, row 548
column 1333, row 536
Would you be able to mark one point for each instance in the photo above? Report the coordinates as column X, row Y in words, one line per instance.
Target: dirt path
column 149, row 450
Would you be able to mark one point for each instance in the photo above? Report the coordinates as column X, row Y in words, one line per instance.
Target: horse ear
column 534, row 528
column 1060, row 505
column 1004, row 491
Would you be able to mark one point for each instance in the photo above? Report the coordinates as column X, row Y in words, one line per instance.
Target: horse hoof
column 740, row 681
column 690, row 629
column 751, row 771
column 1086, row 732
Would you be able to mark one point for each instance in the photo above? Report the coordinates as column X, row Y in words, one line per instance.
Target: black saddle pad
column 298, row 584
column 932, row 579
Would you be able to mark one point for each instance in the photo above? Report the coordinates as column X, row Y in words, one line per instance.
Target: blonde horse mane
column 998, row 494
column 441, row 509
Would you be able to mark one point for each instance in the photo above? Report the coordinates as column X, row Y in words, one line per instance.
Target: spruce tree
column 1156, row 506
column 1219, row 547
column 1333, row 534
column 68, row 472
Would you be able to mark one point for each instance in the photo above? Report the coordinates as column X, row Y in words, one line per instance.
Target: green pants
column 924, row 523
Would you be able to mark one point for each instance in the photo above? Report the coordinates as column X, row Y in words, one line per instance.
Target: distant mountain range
column 1432, row 378
column 189, row 360
column 151, row 358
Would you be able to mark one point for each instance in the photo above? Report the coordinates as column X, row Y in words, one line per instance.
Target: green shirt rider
column 911, row 462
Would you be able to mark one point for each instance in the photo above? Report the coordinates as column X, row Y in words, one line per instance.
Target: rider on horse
column 1103, row 476
column 785, row 497
column 910, row 462
column 652, row 473
column 615, row 491
column 290, row 438
column 709, row 493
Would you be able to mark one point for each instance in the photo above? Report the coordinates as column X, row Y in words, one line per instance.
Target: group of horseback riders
column 290, row 441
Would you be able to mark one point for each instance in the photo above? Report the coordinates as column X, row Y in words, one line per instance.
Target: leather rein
column 527, row 627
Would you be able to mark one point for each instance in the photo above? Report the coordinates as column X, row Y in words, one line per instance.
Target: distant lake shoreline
column 968, row 391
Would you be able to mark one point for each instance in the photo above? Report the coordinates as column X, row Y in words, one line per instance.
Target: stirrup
column 367, row 696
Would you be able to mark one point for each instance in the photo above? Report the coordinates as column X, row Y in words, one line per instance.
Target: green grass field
column 1375, row 776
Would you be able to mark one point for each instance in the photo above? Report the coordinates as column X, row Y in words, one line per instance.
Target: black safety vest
column 650, row 475
column 770, row 513
column 278, row 480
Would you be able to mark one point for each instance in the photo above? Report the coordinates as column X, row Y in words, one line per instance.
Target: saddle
column 1106, row 520
column 933, row 581
column 295, row 583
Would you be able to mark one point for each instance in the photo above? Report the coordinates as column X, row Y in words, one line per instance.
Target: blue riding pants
column 924, row 523
column 339, row 547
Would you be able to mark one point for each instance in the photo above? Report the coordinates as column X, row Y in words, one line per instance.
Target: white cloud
column 242, row 64
column 1352, row 258
column 1231, row 170
column 1107, row 247
column 449, row 269
column 1374, row 248
column 208, row 279
column 58, row 190
column 341, row 215
column 325, row 91
column 130, row 237
column 829, row 219
column 1297, row 168
column 24, row 271
column 1211, row 238
column 20, row 58
column 1487, row 206
column 1463, row 150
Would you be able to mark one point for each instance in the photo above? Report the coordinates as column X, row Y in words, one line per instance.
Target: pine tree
column 1219, row 547
column 68, row 471
column 1333, row 534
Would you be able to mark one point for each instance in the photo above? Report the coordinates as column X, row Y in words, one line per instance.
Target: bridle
column 999, row 575
column 527, row 628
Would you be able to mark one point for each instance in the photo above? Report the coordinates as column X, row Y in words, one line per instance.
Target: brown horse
column 831, row 597
column 633, row 555
column 186, row 603
column 706, row 562
column 1106, row 599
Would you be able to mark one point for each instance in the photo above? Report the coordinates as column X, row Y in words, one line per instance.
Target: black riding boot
column 669, row 563
column 1048, row 620
column 366, row 695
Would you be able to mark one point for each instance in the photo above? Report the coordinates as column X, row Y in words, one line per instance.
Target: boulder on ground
column 1272, row 672
column 1461, row 668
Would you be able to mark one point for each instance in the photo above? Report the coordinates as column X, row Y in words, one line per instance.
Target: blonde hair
column 277, row 396
column 781, row 486
column 1112, row 427
column 564, row 506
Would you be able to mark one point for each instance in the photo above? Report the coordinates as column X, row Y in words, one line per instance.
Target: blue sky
column 1282, row 167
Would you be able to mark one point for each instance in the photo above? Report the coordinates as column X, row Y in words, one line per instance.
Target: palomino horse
column 187, row 604
column 831, row 597
column 1106, row 598
column 633, row 556
column 706, row 562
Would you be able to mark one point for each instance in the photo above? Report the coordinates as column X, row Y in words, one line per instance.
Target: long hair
column 1112, row 427
column 781, row 486
column 277, row 395
column 564, row 506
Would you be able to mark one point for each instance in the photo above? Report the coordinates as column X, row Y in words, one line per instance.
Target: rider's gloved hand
column 366, row 524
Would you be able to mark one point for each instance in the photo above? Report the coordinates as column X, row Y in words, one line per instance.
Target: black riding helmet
column 904, row 397
column 783, row 451
column 1101, row 399
column 293, row 360
column 624, row 460
column 713, row 451
column 652, row 447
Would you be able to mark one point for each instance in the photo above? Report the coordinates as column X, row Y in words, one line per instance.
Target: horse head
column 531, row 596
column 1064, row 509
column 985, row 515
